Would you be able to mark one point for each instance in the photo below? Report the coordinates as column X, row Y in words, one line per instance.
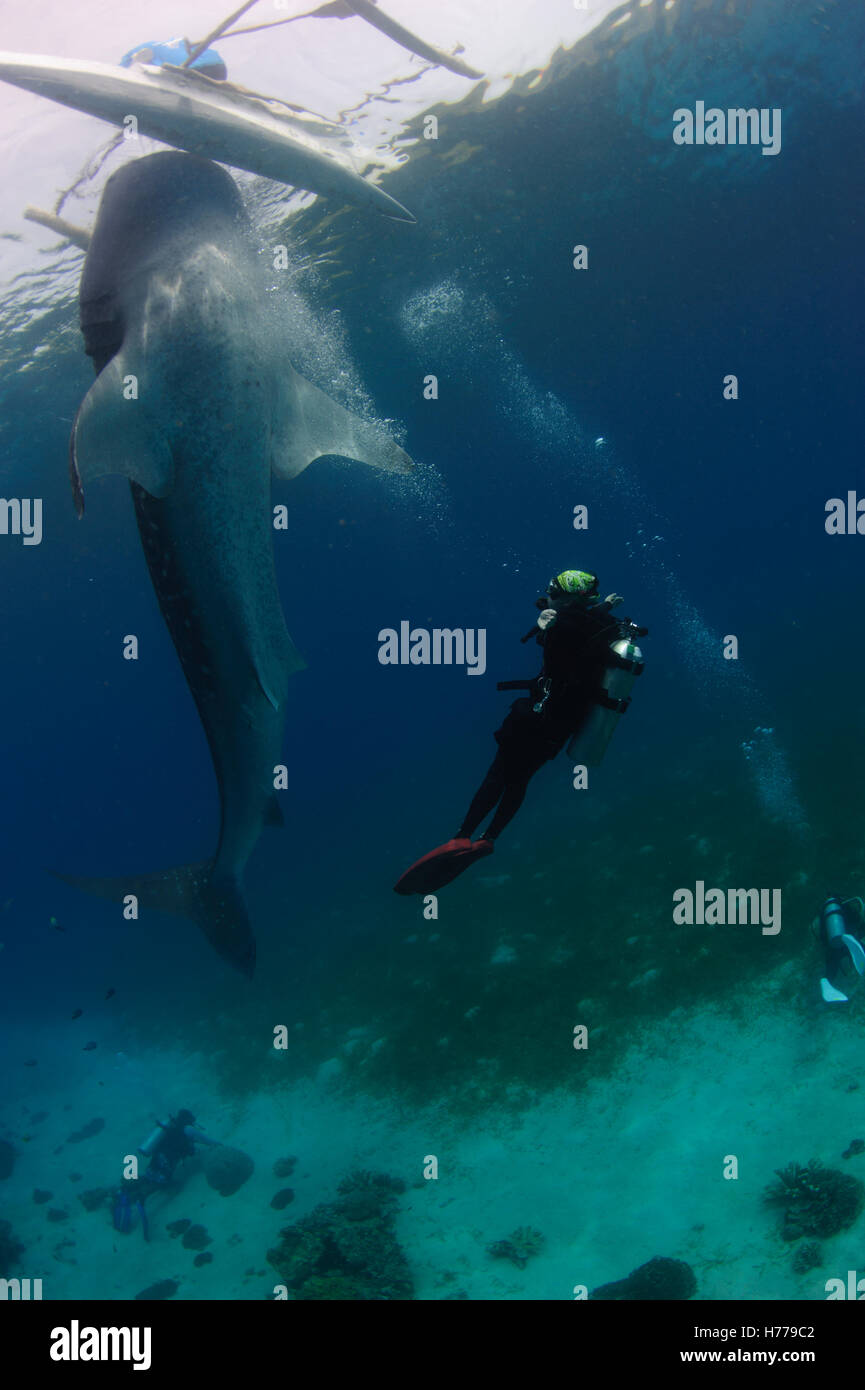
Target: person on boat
column 575, row 630
column 174, row 54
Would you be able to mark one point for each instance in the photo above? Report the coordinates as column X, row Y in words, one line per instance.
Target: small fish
column 78, row 1013
column 31, row 1062
column 56, row 925
column 110, row 992
column 88, row 1047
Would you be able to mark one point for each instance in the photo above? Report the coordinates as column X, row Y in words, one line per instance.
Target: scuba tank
column 152, row 1140
column 842, row 949
column 624, row 663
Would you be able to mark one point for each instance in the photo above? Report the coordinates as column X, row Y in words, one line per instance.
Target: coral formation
column 284, row 1167
column 808, row 1256
column 347, row 1249
column 660, row 1278
column 816, row 1201
column 195, row 1238
column 227, row 1169
column 166, row 1288
column 518, row 1247
column 282, row 1198
column 94, row 1198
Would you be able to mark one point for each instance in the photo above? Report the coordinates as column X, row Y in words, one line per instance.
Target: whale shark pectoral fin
column 265, row 689
column 267, row 682
column 272, row 662
column 308, row 425
column 115, row 434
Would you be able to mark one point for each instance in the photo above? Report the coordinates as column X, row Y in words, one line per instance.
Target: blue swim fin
column 122, row 1212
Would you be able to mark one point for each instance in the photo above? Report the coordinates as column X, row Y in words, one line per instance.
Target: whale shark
column 196, row 408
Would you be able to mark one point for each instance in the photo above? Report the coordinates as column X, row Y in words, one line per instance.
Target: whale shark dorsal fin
column 114, row 434
column 308, row 425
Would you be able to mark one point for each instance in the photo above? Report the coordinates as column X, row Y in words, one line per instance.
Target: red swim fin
column 442, row 865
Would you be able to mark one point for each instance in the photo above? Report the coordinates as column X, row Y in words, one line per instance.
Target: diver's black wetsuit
column 176, row 1142
column 173, row 1146
column 575, row 649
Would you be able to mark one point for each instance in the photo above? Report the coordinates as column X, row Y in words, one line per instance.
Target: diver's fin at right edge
column 213, row 902
column 830, row 994
column 857, row 955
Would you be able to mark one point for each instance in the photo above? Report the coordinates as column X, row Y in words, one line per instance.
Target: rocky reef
column 518, row 1247
column 165, row 1288
column 815, row 1201
column 227, row 1169
column 660, row 1278
column 347, row 1249
column 808, row 1256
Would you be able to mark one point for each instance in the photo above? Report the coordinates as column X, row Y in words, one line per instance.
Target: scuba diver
column 173, row 54
column 590, row 663
column 840, row 929
column 166, row 1147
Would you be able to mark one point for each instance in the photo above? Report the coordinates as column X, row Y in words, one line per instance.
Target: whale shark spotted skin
column 193, row 406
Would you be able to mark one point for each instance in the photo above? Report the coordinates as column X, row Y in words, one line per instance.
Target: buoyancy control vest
column 608, row 645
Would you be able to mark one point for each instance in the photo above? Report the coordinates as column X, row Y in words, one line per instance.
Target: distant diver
column 166, row 1147
column 590, row 664
column 840, row 928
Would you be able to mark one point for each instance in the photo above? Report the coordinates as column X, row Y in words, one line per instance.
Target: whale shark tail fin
column 213, row 901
